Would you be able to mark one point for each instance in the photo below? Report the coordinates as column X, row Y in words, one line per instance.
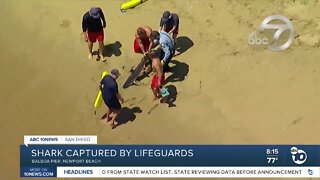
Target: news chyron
column 82, row 157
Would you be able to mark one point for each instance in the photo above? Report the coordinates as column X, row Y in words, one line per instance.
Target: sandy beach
column 223, row 90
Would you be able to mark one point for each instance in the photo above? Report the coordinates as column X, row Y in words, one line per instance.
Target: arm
column 118, row 94
column 161, row 25
column 104, row 23
column 85, row 27
column 176, row 23
column 161, row 28
column 85, row 23
column 166, row 51
column 151, row 44
column 120, row 97
column 174, row 28
column 101, row 86
column 140, row 45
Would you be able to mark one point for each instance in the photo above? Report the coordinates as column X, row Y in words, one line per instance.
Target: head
column 153, row 54
column 166, row 16
column 115, row 73
column 155, row 35
column 141, row 32
column 94, row 12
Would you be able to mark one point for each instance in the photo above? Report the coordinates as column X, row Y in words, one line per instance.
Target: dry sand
column 227, row 91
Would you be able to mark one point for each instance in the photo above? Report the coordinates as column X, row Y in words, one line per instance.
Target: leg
column 154, row 86
column 147, row 66
column 158, row 94
column 155, row 94
column 175, row 39
column 101, row 47
column 108, row 114
column 175, row 36
column 166, row 67
column 90, row 46
column 116, row 112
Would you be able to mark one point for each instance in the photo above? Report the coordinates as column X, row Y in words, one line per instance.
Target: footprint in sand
column 132, row 101
column 142, row 99
column 304, row 2
column 209, row 22
column 294, row 123
column 65, row 23
column 155, row 106
column 87, row 99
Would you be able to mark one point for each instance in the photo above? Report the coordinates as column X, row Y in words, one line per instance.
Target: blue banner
column 168, row 155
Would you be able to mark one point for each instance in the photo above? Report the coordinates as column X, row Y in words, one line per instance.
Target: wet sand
column 226, row 91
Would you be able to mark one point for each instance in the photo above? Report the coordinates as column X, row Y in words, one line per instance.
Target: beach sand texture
column 224, row 91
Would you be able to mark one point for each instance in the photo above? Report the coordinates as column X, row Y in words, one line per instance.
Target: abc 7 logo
column 280, row 28
column 298, row 155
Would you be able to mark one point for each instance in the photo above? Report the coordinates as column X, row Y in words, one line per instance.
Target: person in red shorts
column 93, row 23
column 170, row 23
column 158, row 76
column 143, row 42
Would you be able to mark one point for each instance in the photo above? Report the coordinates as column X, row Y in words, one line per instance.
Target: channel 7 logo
column 272, row 44
column 298, row 155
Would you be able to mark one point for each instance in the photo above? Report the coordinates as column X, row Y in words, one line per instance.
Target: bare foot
column 144, row 71
column 163, row 100
column 104, row 59
column 90, row 57
column 110, row 117
column 113, row 125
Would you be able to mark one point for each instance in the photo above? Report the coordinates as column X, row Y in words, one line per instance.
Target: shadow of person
column 179, row 71
column 127, row 115
column 171, row 98
column 183, row 43
column 109, row 50
column 112, row 49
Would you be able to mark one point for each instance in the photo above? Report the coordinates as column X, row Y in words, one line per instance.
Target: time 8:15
column 272, row 151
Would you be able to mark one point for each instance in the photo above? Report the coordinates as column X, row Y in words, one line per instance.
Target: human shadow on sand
column 112, row 49
column 183, row 43
column 171, row 98
column 127, row 114
column 109, row 50
column 179, row 71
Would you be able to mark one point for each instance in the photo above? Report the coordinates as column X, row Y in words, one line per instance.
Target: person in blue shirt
column 168, row 49
column 111, row 96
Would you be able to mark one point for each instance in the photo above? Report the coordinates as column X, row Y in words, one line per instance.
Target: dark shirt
column 92, row 24
column 173, row 21
column 110, row 88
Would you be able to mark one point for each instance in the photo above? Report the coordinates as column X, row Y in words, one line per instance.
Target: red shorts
column 176, row 31
column 136, row 47
column 155, row 81
column 93, row 36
